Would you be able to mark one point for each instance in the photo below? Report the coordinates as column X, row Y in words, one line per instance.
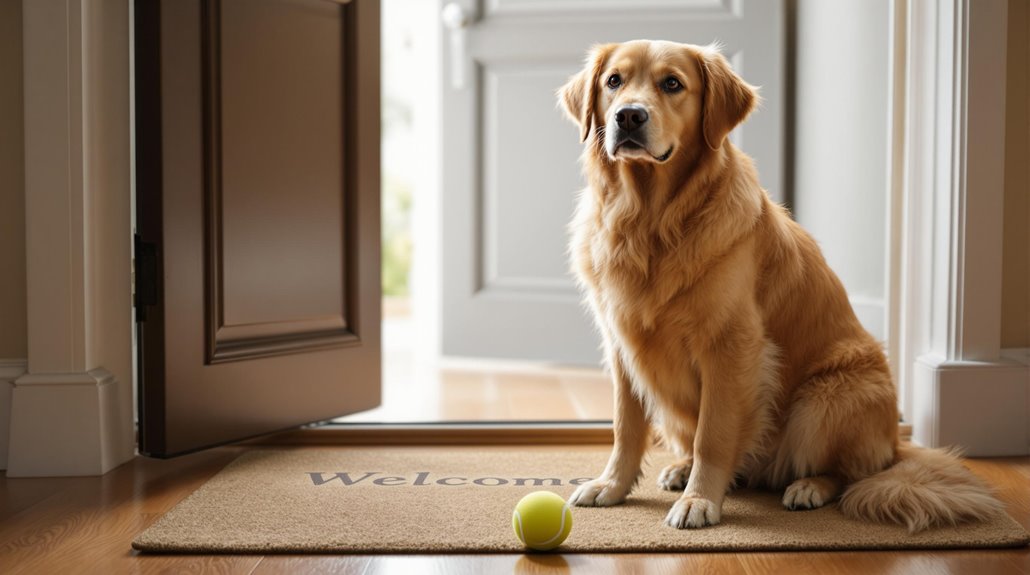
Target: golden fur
column 723, row 326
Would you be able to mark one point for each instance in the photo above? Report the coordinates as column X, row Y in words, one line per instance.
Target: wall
column 1015, row 294
column 841, row 137
column 12, row 185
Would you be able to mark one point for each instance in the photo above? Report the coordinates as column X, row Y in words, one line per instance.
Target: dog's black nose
column 631, row 116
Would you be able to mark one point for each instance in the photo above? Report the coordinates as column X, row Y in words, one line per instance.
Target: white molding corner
column 10, row 370
column 64, row 425
column 981, row 406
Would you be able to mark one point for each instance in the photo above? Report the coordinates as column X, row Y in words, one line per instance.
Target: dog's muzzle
column 630, row 127
column 630, row 131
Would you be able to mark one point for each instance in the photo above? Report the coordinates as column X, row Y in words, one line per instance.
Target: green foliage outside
column 396, row 203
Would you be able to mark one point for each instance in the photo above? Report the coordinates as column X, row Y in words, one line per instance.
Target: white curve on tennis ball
column 561, row 528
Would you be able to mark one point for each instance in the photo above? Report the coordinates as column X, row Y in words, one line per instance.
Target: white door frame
column 948, row 123
column 71, row 413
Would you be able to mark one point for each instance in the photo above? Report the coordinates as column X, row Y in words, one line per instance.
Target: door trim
column 458, row 433
column 948, row 116
column 78, row 242
column 450, row 433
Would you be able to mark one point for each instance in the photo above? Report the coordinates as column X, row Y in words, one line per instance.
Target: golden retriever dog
column 723, row 326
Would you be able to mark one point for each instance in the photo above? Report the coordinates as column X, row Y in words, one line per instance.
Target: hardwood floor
column 429, row 390
column 85, row 525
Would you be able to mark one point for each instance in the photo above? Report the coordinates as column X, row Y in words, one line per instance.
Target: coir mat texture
column 460, row 500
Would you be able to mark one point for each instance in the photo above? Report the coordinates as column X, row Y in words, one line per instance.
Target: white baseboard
column 10, row 370
column 64, row 424
column 1018, row 354
column 983, row 407
column 871, row 313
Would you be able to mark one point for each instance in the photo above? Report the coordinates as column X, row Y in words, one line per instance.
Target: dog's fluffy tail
column 924, row 488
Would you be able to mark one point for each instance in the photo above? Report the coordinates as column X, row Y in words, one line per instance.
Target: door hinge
column 145, row 271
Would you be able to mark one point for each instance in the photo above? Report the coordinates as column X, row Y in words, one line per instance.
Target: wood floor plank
column 91, row 521
column 165, row 564
column 470, row 396
column 313, row 564
column 86, row 525
column 1010, row 477
column 539, row 397
column 16, row 495
column 592, row 396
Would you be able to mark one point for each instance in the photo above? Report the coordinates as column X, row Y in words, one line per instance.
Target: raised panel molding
column 492, row 280
column 226, row 340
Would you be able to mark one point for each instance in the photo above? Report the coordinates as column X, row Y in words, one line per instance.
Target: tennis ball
column 542, row 520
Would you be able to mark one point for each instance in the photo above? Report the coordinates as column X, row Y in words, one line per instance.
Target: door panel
column 259, row 58
column 257, row 191
column 510, row 159
column 517, row 237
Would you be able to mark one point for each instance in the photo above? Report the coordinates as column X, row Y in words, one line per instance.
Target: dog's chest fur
column 620, row 264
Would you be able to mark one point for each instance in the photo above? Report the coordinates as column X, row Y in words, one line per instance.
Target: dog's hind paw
column 674, row 477
column 810, row 493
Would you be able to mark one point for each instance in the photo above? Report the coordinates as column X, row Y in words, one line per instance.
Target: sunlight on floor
column 477, row 390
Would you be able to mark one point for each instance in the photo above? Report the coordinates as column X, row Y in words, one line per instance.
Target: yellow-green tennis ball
column 542, row 520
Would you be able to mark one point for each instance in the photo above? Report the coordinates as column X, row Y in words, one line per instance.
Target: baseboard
column 984, row 407
column 10, row 370
column 1017, row 354
column 870, row 313
column 64, row 425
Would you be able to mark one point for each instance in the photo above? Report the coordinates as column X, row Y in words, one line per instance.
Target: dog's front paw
column 674, row 477
column 692, row 513
column 599, row 493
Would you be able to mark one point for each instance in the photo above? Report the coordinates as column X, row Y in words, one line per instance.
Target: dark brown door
column 257, row 162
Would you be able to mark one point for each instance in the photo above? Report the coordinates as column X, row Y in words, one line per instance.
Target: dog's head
column 652, row 100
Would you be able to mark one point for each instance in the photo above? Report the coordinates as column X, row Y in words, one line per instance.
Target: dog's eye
column 614, row 81
column 671, row 84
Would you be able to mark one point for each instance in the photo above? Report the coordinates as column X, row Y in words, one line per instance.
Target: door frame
column 71, row 411
column 945, row 269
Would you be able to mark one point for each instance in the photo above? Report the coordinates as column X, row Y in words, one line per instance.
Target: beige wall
column 1015, row 295
column 12, row 186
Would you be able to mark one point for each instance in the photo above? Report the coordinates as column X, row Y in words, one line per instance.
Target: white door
column 510, row 169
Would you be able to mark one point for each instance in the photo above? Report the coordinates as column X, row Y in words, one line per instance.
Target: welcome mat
column 460, row 500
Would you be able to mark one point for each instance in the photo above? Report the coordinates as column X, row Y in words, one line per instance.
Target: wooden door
column 257, row 190
column 510, row 158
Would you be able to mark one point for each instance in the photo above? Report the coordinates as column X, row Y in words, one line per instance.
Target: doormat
column 460, row 500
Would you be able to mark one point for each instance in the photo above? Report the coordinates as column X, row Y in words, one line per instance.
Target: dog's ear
column 579, row 95
column 728, row 99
